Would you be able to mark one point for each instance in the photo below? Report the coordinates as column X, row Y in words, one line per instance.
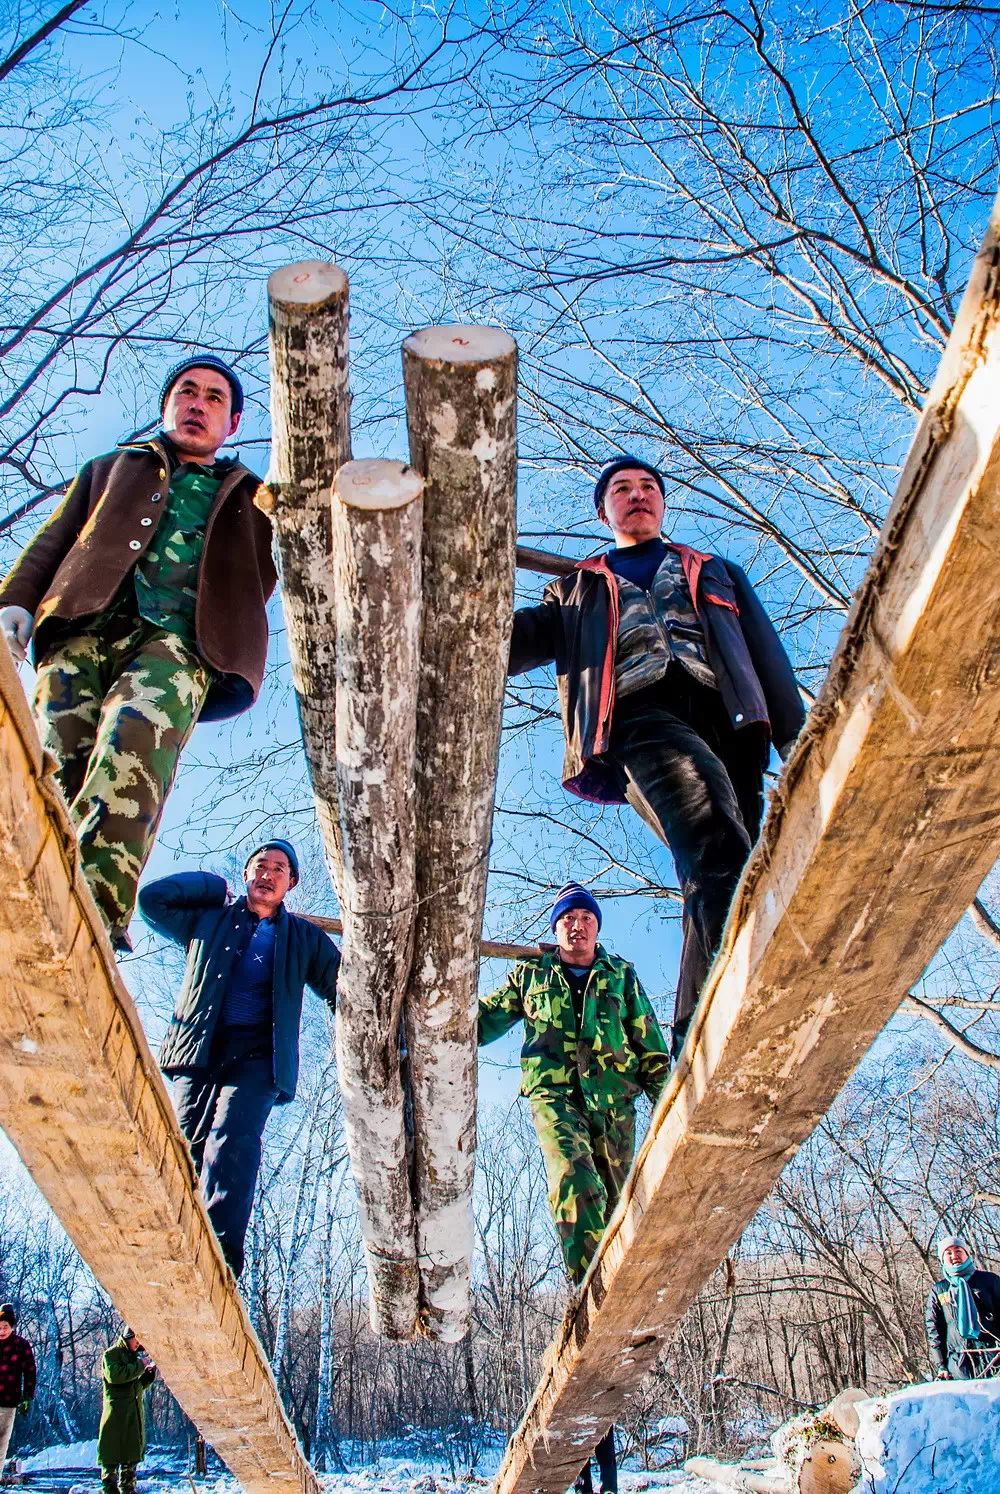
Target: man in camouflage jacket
column 592, row 1044
column 144, row 596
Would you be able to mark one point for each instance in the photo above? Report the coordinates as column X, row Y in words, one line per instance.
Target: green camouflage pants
column 587, row 1158
column 115, row 711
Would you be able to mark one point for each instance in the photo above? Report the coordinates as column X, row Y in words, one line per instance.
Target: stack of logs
column 813, row 1454
column 398, row 586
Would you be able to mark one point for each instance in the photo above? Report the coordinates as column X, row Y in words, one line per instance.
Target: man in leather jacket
column 144, row 596
column 673, row 685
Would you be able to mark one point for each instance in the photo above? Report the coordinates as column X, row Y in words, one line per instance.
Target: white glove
column 16, row 624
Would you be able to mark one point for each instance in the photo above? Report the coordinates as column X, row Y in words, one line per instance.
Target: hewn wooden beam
column 82, row 1100
column 461, row 405
column 883, row 826
column 377, row 514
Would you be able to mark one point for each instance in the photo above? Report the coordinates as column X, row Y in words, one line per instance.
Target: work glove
column 944, row 1374
column 25, row 1406
column 16, row 624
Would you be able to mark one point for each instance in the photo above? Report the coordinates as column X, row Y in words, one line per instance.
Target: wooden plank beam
column 83, row 1101
column 883, row 826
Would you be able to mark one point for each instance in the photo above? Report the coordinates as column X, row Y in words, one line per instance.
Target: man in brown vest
column 145, row 596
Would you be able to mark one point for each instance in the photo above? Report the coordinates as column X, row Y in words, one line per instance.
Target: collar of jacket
column 163, row 448
column 551, row 959
column 240, row 905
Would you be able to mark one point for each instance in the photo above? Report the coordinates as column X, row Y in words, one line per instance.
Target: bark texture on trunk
column 310, row 440
column 461, row 413
column 376, row 530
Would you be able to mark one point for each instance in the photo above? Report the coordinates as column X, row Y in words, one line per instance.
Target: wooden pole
column 882, row 829
column 489, row 949
column 461, row 386
column 310, row 440
column 376, row 529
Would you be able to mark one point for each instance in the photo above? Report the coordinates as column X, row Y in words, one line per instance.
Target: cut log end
column 310, row 283
column 375, row 484
column 460, row 344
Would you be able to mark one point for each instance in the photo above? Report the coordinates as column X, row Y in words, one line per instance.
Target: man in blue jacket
column 232, row 1049
column 673, row 685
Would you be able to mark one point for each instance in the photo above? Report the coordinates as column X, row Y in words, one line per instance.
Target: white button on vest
column 135, row 545
column 739, row 715
column 145, row 523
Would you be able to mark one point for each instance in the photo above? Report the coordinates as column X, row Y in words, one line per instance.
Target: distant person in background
column 144, row 598
column 232, row 1049
column 591, row 1045
column 126, row 1375
column 963, row 1316
column 17, row 1376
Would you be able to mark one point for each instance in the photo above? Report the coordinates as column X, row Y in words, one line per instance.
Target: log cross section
column 883, row 827
column 82, row 1100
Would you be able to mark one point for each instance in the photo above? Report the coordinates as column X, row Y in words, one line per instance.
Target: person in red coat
column 17, row 1376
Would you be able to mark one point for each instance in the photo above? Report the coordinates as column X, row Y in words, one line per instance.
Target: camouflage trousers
column 115, row 709
column 587, row 1158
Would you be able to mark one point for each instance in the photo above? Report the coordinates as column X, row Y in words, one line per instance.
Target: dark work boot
column 607, row 1462
column 678, row 1033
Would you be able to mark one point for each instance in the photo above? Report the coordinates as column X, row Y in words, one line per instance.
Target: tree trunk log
column 310, row 440
column 376, row 527
column 461, row 413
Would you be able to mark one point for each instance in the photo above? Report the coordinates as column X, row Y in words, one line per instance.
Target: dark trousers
column 698, row 784
column 607, row 1467
column 223, row 1113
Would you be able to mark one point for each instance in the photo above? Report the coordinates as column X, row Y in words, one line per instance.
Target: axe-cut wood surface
column 82, row 1100
column 884, row 824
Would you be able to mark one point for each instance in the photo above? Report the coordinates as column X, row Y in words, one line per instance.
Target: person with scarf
column 963, row 1316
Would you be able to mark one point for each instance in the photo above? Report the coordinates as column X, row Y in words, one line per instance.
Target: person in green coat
column 592, row 1044
column 126, row 1374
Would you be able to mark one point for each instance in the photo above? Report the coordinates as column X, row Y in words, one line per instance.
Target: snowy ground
column 927, row 1439
column 389, row 1475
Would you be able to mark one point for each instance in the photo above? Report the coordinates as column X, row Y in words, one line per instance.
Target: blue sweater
column 195, row 910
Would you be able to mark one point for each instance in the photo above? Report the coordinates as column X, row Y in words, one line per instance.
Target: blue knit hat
column 204, row 360
column 621, row 465
column 574, row 896
column 276, row 845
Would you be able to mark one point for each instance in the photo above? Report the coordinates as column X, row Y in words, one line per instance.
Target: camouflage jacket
column 619, row 1050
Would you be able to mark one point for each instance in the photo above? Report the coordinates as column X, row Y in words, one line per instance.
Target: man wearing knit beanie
column 17, row 1376
column 673, row 686
column 232, row 1049
column 963, row 1316
column 592, row 1043
column 144, row 597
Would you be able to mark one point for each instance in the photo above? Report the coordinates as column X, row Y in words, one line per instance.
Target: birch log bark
column 310, row 440
column 376, row 530
column 461, row 413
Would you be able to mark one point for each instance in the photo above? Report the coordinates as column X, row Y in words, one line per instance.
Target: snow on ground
column 932, row 1439
column 386, row 1475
